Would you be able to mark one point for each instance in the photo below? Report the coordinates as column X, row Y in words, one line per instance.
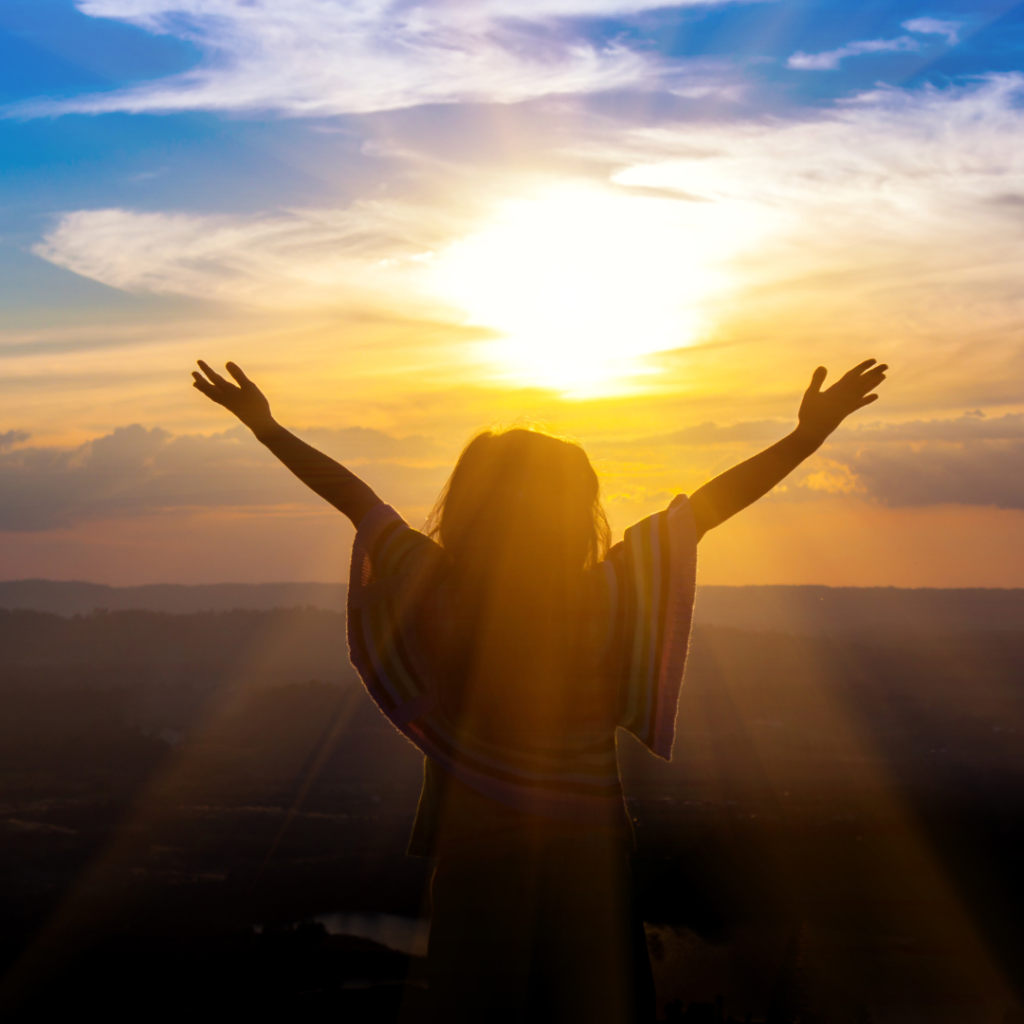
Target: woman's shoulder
column 676, row 516
column 391, row 546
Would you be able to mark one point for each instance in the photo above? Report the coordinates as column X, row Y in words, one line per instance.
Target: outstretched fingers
column 817, row 379
column 870, row 380
column 236, row 371
column 216, row 387
column 211, row 373
column 200, row 383
column 861, row 368
column 864, row 377
column 858, row 372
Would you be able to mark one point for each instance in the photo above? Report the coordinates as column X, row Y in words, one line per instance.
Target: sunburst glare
column 581, row 284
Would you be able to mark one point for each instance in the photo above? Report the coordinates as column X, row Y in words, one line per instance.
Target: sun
column 582, row 284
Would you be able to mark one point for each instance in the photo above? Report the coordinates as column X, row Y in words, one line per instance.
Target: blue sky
column 51, row 49
column 239, row 158
column 397, row 213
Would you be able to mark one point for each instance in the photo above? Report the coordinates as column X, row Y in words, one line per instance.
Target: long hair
column 521, row 520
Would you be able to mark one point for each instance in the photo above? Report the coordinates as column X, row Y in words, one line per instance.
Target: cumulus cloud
column 969, row 473
column 829, row 60
column 935, row 27
column 136, row 471
column 968, row 460
column 10, row 438
column 326, row 57
column 965, row 460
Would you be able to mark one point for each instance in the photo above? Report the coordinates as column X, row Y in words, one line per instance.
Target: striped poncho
column 646, row 591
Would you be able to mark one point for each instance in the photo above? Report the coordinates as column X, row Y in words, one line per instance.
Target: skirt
column 538, row 932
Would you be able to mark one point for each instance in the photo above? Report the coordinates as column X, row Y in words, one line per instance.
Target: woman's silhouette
column 509, row 642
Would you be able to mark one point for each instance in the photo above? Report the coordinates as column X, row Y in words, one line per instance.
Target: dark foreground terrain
column 203, row 817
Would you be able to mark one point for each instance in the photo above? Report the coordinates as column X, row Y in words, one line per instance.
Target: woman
column 508, row 642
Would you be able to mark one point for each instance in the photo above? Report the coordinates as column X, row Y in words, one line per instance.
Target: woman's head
column 521, row 519
column 523, row 494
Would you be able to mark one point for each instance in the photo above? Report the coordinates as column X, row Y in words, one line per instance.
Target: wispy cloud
column 829, row 60
column 968, row 428
column 923, row 175
column 935, row 27
column 892, row 221
column 889, row 221
column 326, row 57
column 304, row 258
column 705, row 435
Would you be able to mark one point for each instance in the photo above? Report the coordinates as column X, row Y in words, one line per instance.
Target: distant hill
column 78, row 598
column 861, row 609
column 784, row 609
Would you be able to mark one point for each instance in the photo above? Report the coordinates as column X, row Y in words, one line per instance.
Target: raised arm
column 332, row 481
column 820, row 413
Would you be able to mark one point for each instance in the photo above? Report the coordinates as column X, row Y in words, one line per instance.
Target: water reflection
column 405, row 934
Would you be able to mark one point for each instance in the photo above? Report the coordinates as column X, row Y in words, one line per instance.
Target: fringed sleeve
column 651, row 583
column 393, row 567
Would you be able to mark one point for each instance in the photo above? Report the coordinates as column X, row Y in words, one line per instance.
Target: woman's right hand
column 822, row 411
column 244, row 399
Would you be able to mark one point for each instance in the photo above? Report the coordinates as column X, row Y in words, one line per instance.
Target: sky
column 641, row 225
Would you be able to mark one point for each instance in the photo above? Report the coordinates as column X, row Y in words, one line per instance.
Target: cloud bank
column 134, row 471
column 968, row 473
column 968, row 460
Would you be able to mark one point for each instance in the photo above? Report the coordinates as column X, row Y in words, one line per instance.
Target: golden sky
column 649, row 251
